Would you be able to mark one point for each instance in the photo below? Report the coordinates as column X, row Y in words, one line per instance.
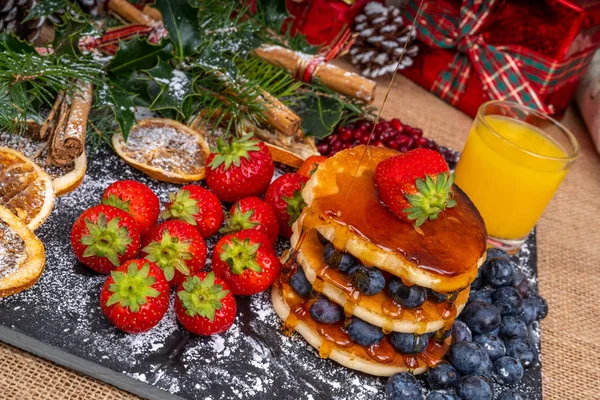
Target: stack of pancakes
column 443, row 255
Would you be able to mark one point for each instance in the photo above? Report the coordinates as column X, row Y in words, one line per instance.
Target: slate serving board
column 60, row 319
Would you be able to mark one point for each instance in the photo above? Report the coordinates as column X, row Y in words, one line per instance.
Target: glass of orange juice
column 512, row 163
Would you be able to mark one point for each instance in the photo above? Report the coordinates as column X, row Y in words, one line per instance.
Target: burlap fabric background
column 569, row 266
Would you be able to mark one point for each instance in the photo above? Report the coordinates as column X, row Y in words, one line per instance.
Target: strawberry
column 246, row 261
column 310, row 165
column 285, row 197
column 238, row 169
column 135, row 297
column 177, row 248
column 135, row 198
column 104, row 237
column 416, row 186
column 204, row 304
column 197, row 206
column 252, row 213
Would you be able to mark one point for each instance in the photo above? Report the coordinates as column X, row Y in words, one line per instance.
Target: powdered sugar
column 251, row 360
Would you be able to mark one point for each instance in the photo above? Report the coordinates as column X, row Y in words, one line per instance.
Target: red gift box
column 529, row 51
column 321, row 21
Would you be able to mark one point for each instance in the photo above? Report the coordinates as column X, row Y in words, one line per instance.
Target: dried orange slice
column 65, row 178
column 164, row 149
column 25, row 189
column 22, row 255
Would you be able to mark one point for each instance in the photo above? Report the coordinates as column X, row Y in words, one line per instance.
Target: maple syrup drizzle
column 335, row 334
column 349, row 309
column 290, row 266
column 382, row 352
column 325, row 349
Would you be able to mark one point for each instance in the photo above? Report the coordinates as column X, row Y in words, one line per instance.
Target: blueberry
column 369, row 281
column 509, row 370
column 364, row 333
column 468, row 357
column 322, row 239
column 479, row 281
column 483, row 294
column 494, row 253
column 437, row 297
column 403, row 386
column 507, row 299
column 442, row 376
column 461, row 332
column 528, row 311
column 326, row 312
column 522, row 351
column 442, row 396
column 498, row 272
column 541, row 306
column 485, row 368
column 511, row 394
column 407, row 296
column 481, row 317
column 495, row 332
column 409, row 343
column 512, row 327
column 521, row 284
column 336, row 259
column 475, row 388
column 300, row 284
column 492, row 344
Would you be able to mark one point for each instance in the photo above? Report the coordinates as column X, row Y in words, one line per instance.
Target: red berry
column 378, row 143
column 323, row 148
column 421, row 142
column 396, row 124
column 417, row 132
column 392, row 144
column 252, row 213
column 136, row 199
column 285, row 197
column 345, row 134
column 404, row 149
column 336, row 146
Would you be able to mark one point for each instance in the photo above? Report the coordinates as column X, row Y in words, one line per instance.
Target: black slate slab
column 60, row 319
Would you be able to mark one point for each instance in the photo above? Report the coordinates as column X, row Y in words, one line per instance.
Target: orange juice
column 510, row 170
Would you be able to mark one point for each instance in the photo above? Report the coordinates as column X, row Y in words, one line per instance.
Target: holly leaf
column 181, row 21
column 137, row 54
column 320, row 114
column 174, row 89
column 46, row 8
column 66, row 39
column 12, row 43
column 121, row 102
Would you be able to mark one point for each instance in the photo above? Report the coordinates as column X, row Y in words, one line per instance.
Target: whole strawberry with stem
column 177, row 248
column 135, row 297
column 204, row 304
column 239, row 168
column 196, row 206
column 416, row 186
column 103, row 237
column 247, row 261
column 285, row 197
column 135, row 198
column 252, row 213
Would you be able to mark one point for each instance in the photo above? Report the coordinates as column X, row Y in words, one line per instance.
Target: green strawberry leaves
column 231, row 153
column 202, row 297
column 132, row 289
column 431, row 199
column 117, row 202
column 170, row 254
column 106, row 239
column 295, row 205
column 240, row 255
column 182, row 207
column 239, row 220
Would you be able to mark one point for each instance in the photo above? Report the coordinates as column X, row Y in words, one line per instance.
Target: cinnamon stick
column 335, row 78
column 68, row 141
column 279, row 116
column 130, row 13
column 152, row 13
column 49, row 121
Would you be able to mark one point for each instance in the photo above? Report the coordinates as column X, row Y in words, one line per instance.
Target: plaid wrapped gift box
column 532, row 52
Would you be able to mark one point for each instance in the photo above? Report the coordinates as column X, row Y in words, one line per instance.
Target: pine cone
column 382, row 41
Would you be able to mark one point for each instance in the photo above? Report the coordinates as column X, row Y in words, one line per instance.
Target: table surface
column 568, row 258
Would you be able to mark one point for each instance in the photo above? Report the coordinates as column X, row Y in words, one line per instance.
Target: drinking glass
column 512, row 164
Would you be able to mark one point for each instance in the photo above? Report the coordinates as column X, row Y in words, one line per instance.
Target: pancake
column 443, row 254
column 333, row 343
column 379, row 310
